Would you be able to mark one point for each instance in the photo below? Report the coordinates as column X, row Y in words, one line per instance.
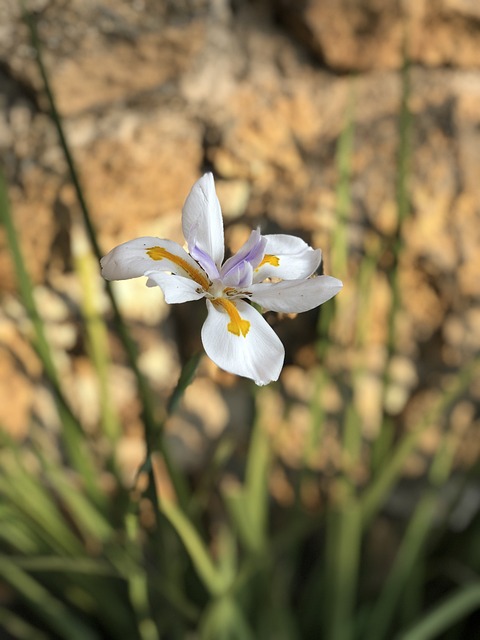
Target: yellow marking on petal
column 159, row 253
column 269, row 259
column 237, row 325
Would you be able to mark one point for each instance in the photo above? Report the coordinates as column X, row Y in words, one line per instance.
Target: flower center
column 159, row 253
column 237, row 325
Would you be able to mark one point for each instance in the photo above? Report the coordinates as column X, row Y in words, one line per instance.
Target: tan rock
column 372, row 34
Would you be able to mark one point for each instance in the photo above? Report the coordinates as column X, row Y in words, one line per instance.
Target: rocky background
column 152, row 93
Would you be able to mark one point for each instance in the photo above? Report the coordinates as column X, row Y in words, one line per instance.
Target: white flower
column 235, row 335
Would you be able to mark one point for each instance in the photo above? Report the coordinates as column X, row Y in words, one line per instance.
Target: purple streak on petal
column 251, row 254
column 241, row 275
column 246, row 275
column 205, row 261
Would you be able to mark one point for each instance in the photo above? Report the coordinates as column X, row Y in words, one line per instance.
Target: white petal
column 132, row 259
column 175, row 288
column 287, row 257
column 242, row 342
column 295, row 296
column 202, row 220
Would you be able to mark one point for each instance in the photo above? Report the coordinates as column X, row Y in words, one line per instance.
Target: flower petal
column 132, row 259
column 294, row 296
column 237, row 270
column 175, row 288
column 287, row 257
column 239, row 340
column 202, row 222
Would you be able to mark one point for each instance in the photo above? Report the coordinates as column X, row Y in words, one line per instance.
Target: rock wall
column 153, row 92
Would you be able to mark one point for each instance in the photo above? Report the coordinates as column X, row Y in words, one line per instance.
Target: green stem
column 153, row 428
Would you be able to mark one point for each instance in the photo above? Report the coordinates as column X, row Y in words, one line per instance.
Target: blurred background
column 341, row 502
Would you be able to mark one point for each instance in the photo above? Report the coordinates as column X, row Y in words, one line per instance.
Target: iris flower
column 275, row 272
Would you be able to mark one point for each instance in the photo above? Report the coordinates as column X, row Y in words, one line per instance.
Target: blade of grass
column 72, row 433
column 248, row 504
column 89, row 520
column 396, row 243
column 237, row 505
column 16, row 534
column 403, row 208
column 343, row 524
column 138, row 588
column 224, row 620
column 62, row 564
column 378, row 490
column 37, row 509
column 343, row 199
column 342, row 562
column 59, row 618
column 211, row 576
column 18, row 628
column 256, row 480
column 339, row 239
column 97, row 333
column 452, row 609
column 413, row 543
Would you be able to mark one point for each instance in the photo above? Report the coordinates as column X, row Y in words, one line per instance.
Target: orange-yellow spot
column 269, row 259
column 159, row 253
column 237, row 325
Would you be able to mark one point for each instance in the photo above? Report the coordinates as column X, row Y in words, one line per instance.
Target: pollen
column 237, row 325
column 269, row 259
column 159, row 253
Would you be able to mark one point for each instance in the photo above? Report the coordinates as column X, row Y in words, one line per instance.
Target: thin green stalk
column 403, row 210
column 343, row 196
column 396, row 247
column 248, row 504
column 153, row 428
column 87, row 220
column 156, row 547
column 256, row 481
column 186, row 377
column 342, row 561
column 138, row 587
column 339, row 239
column 344, row 522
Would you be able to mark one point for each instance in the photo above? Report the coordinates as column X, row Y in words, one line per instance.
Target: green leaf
column 19, row 628
column 224, row 620
column 72, row 432
column 59, row 618
column 214, row 580
column 452, row 609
